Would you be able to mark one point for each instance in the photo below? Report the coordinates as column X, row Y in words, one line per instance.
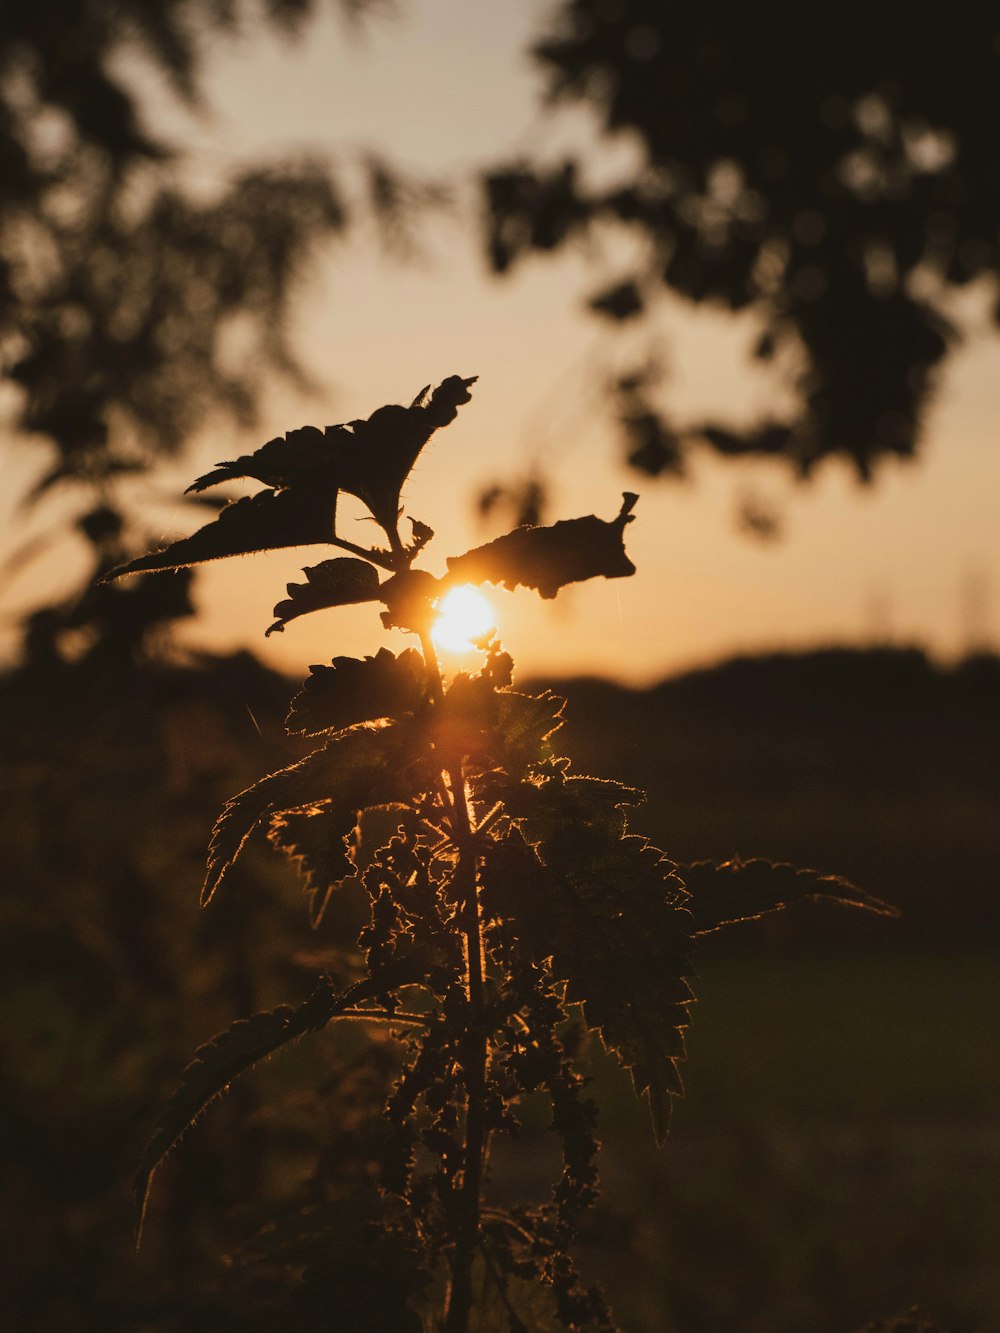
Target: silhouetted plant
column 508, row 908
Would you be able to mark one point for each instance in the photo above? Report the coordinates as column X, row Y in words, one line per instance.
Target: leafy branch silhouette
column 508, row 900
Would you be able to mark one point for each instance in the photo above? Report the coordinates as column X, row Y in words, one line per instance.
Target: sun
column 463, row 615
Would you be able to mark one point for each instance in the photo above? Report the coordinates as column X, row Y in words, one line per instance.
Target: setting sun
column 464, row 615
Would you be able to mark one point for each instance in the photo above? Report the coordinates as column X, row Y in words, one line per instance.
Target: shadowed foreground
column 836, row 1157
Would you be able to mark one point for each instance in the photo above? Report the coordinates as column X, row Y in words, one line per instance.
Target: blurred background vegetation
column 837, row 1156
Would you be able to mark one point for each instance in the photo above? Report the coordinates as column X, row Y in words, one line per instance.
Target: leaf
column 324, row 840
column 239, row 1048
column 306, row 469
column 264, row 522
column 379, row 452
column 358, row 690
column 524, row 724
column 609, row 913
column 745, row 890
column 547, row 559
column 602, row 799
column 341, row 582
column 495, row 728
column 213, row 1068
column 355, row 768
column 301, row 459
column 409, row 597
column 315, row 836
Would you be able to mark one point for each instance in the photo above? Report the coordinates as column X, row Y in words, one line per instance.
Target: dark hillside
column 876, row 764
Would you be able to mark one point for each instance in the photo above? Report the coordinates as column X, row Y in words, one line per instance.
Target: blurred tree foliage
column 133, row 306
column 833, row 171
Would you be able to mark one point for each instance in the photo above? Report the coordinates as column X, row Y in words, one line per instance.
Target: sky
column 445, row 86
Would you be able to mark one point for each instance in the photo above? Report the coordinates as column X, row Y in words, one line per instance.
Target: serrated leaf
column 601, row 801
column 379, row 452
column 524, row 724
column 306, row 469
column 358, row 690
column 301, row 459
column 265, row 522
column 740, row 890
column 609, row 913
column 242, row 1045
column 340, row 582
column 315, row 837
column 549, row 558
column 495, row 728
column 356, row 768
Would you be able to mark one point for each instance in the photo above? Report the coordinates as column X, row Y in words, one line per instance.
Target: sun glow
column 463, row 615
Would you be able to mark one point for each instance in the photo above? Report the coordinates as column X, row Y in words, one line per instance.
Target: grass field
column 836, row 1158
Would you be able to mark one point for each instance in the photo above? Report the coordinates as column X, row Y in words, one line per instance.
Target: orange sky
column 441, row 87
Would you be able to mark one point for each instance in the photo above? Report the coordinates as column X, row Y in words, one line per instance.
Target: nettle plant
column 511, row 911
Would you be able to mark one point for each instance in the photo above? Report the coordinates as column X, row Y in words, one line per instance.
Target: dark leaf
column 609, row 913
column 495, row 729
column 356, row 768
column 239, row 1048
column 524, row 724
column 341, row 582
column 315, row 836
column 358, row 690
column 301, row 459
column 410, row 596
column 743, row 890
column 263, row 522
column 548, row 558
column 370, row 459
column 378, row 453
column 541, row 802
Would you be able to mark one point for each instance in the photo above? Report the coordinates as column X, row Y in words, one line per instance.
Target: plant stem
column 376, row 557
column 459, row 1299
column 459, row 1304
column 434, row 674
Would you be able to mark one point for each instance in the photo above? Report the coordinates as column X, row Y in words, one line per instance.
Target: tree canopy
column 833, row 171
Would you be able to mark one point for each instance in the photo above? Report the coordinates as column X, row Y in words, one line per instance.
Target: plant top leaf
column 300, row 460
column 549, row 558
column 358, row 690
column 608, row 912
column 360, row 767
column 378, row 453
column 340, row 582
column 740, row 890
column 369, row 458
column 305, row 470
